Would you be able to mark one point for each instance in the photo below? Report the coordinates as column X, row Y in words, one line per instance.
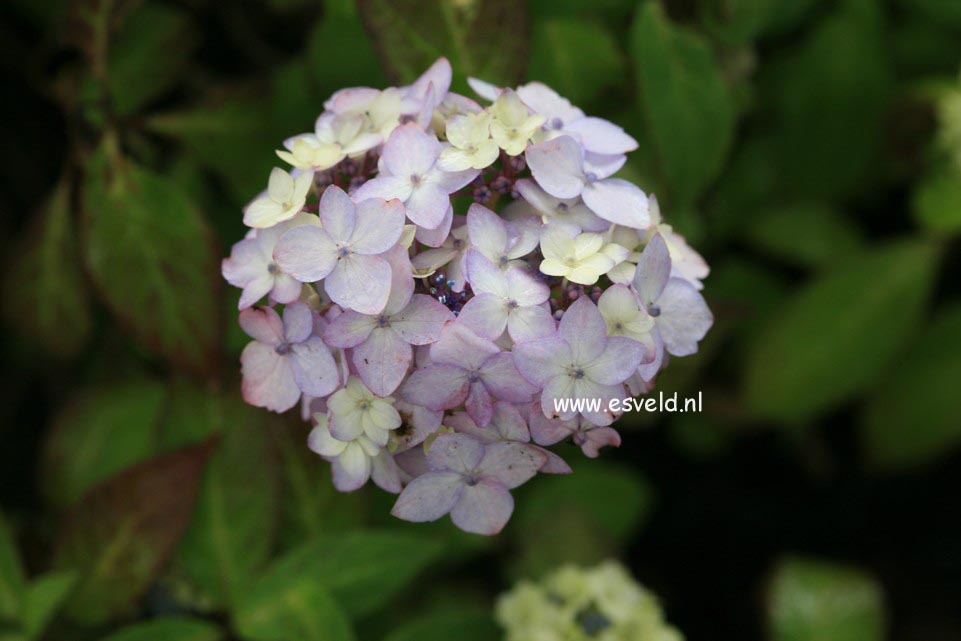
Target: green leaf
column 291, row 605
column 579, row 59
column 168, row 629
column 232, row 532
column 148, row 55
column 937, row 201
column 913, row 417
column 46, row 278
column 341, row 30
column 101, row 431
column 44, row 597
column 829, row 98
column 486, row 39
column 816, row 601
column 688, row 110
column 806, row 235
column 838, row 334
column 150, row 254
column 589, row 514
column 11, row 575
column 740, row 21
column 444, row 625
column 362, row 569
column 120, row 536
column 947, row 12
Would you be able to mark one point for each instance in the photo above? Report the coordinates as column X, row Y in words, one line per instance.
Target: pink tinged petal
column 436, row 387
column 386, row 187
column 486, row 315
column 513, row 464
column 595, row 439
column 503, row 381
column 541, row 360
column 484, row 276
column 455, row 452
column 382, row 360
column 479, row 404
column 620, row 358
column 525, row 289
column 337, row 213
column 349, row 329
column 462, row 423
column 350, row 99
column 483, row 508
column 314, row 368
column 298, row 322
column 530, row 323
column 648, row 371
column 262, row 324
column 285, row 289
column 385, row 473
column 436, row 237
column 428, row 205
column 268, row 381
column 351, row 469
column 603, row 166
column 409, row 150
column 378, row 227
column 487, row 230
column 422, row 320
column 554, row 463
column 359, row 282
column 584, row 329
column 618, row 201
column 307, row 253
column 439, row 75
column 548, row 431
column 601, row 136
column 509, row 422
column 428, row 497
column 584, row 388
column 257, row 289
column 461, row 347
column 451, row 181
column 653, row 270
column 401, row 279
column 246, row 263
column 684, row 317
column 557, row 166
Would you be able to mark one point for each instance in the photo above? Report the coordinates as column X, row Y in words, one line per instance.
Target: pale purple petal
column 541, row 360
column 455, row 452
column 648, row 371
column 337, row 213
column 349, row 329
column 479, row 404
column 439, row 75
column 484, row 276
column 436, row 387
column 350, row 470
column 436, row 237
column 257, row 289
column 557, row 388
column 428, row 497
column 386, row 187
column 620, row 358
column 618, row 201
column 503, row 381
column 603, row 166
column 385, row 473
column 298, row 322
column 595, row 439
column 484, row 89
column 557, row 166
column 483, row 508
column 584, row 388
column 382, row 360
column 554, row 463
column 530, row 323
column 451, row 181
column 512, row 464
column 509, row 423
column 486, row 315
column 487, row 230
column 461, row 347
column 422, row 320
column 525, row 289
column 379, row 224
column 548, row 431
column 653, row 270
column 359, row 282
column 401, row 279
column 684, row 318
column 601, row 136
column 262, row 324
column 314, row 368
column 268, row 381
column 409, row 151
column 427, row 206
column 286, row 289
column 584, row 329
column 307, row 253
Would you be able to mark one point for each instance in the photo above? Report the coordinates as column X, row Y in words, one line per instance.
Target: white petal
column 361, row 283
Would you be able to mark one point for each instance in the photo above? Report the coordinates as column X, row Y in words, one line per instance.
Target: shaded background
column 804, row 146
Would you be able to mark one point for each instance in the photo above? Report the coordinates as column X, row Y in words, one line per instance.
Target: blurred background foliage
column 808, row 147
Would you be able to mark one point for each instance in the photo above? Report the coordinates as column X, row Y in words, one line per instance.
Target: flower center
column 272, row 268
column 343, row 251
column 512, row 304
column 283, row 348
column 473, row 377
column 416, row 179
column 591, row 176
column 654, row 310
column 557, row 123
column 562, row 207
column 458, row 243
column 577, row 373
column 383, row 320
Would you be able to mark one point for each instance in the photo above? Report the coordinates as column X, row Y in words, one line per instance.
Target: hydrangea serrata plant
column 449, row 270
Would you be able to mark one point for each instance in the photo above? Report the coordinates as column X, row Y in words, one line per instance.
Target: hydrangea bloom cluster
column 581, row 604
column 448, row 270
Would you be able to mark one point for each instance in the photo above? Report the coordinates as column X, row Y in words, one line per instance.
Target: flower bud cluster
column 438, row 273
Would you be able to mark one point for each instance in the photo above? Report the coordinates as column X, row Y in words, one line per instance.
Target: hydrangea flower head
column 440, row 274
